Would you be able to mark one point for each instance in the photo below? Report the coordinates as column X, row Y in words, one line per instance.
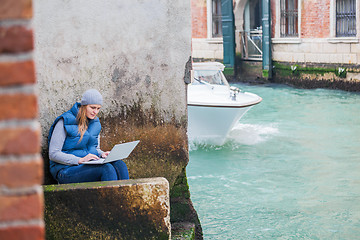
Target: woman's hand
column 105, row 154
column 88, row 158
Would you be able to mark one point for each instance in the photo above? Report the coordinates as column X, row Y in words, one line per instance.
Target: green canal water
column 289, row 170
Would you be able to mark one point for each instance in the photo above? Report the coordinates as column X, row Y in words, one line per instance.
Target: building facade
column 304, row 33
column 207, row 39
column 316, row 31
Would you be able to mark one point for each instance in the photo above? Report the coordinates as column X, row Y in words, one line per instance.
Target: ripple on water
column 289, row 170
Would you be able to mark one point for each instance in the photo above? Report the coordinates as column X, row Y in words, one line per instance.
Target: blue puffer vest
column 72, row 145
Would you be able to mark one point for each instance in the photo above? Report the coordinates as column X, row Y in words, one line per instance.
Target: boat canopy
column 208, row 66
column 209, row 73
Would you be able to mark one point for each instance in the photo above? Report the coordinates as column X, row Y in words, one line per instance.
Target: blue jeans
column 116, row 170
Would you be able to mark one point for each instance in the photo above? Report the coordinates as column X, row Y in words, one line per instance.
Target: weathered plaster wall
column 132, row 51
column 135, row 53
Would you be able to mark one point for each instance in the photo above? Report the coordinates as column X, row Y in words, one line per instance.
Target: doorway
column 251, row 35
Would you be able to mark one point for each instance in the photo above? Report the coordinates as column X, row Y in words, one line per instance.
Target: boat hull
column 214, row 107
column 212, row 124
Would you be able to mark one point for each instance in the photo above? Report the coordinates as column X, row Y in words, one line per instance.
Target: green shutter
column 228, row 29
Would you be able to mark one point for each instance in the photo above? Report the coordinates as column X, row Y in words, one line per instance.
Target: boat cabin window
column 209, row 76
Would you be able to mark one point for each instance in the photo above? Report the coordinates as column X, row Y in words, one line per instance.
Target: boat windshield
column 209, row 76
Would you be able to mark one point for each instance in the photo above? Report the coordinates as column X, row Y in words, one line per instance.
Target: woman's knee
column 108, row 172
column 121, row 169
column 120, row 164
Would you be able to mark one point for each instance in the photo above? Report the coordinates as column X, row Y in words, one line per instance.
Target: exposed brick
column 315, row 20
column 18, row 106
column 199, row 18
column 15, row 39
column 273, row 17
column 20, row 140
column 21, row 174
column 24, row 207
column 16, row 9
column 23, row 232
column 14, row 73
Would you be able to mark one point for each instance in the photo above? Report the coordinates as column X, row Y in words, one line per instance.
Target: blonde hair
column 82, row 121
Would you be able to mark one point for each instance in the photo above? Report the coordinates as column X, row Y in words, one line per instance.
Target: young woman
column 74, row 139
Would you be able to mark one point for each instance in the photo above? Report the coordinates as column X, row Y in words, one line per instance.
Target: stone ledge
column 127, row 209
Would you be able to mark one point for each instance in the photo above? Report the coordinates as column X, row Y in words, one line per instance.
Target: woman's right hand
column 88, row 158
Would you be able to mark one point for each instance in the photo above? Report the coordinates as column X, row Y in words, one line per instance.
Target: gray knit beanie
column 91, row 96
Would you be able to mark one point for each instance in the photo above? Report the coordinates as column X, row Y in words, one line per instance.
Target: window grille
column 346, row 18
column 289, row 18
column 216, row 19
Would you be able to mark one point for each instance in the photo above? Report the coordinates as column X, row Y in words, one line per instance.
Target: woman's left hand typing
column 105, row 154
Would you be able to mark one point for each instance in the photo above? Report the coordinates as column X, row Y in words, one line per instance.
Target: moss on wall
column 163, row 148
column 290, row 70
column 332, row 76
column 181, row 207
column 303, row 75
column 250, row 72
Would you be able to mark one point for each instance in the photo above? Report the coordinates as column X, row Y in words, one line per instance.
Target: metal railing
column 251, row 44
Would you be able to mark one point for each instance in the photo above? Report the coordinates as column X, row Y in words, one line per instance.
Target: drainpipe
column 266, row 39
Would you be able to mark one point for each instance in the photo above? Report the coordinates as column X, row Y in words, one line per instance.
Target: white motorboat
column 214, row 107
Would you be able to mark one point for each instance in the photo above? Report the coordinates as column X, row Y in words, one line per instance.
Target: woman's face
column 92, row 110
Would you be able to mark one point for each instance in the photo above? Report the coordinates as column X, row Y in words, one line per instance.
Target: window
column 345, row 18
column 216, row 18
column 289, row 18
column 209, row 77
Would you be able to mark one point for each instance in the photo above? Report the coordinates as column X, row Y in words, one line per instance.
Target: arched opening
column 248, row 15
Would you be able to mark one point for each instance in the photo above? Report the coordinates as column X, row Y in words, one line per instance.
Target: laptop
column 118, row 152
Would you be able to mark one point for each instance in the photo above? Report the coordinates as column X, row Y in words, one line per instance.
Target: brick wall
column 21, row 170
column 315, row 19
column 199, row 18
column 273, row 17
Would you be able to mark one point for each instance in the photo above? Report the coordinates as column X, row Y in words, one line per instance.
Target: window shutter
column 228, row 29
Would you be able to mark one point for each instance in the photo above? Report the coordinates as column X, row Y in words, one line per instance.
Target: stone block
column 312, row 57
column 199, row 44
column 316, row 47
column 218, row 54
column 335, row 58
column 343, row 48
column 282, row 57
column 305, row 47
column 323, row 58
column 298, row 57
column 350, row 58
column 204, row 54
column 355, row 47
column 329, row 48
column 280, row 47
column 127, row 209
